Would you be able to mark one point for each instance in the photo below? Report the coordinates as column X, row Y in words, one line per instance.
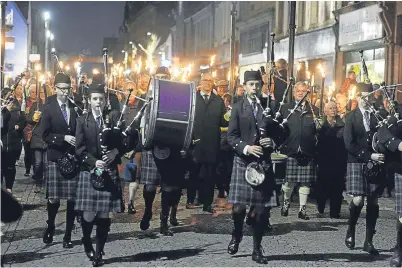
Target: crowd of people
column 234, row 137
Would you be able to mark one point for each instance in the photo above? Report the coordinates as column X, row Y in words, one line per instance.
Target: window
column 253, row 40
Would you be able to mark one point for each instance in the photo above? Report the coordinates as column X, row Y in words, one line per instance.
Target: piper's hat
column 96, row 88
column 252, row 76
column 222, row 83
column 162, row 70
column 62, row 78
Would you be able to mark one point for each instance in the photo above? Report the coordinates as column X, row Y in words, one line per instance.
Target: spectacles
column 64, row 88
column 254, row 84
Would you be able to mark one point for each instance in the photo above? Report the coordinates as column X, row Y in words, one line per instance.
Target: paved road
column 201, row 240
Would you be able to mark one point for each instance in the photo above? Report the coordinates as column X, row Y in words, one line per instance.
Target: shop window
column 376, row 70
column 253, row 40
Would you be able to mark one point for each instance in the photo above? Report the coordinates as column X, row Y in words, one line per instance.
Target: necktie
column 206, row 98
column 98, row 121
column 64, row 111
column 367, row 120
column 254, row 105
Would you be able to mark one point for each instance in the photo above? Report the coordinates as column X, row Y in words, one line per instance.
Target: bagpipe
column 9, row 98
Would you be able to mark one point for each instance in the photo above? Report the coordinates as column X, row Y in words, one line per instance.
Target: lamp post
column 48, row 35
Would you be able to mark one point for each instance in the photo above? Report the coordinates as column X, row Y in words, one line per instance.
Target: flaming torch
column 319, row 67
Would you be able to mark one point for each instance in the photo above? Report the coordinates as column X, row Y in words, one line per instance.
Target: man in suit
column 209, row 118
column 58, row 126
column 360, row 126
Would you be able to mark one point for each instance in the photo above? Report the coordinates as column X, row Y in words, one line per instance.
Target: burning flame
column 331, row 91
column 237, row 72
column 308, row 75
column 229, row 75
column 95, row 71
column 319, row 67
column 299, row 66
column 61, row 64
column 312, row 79
column 214, row 74
column 149, row 51
column 212, row 61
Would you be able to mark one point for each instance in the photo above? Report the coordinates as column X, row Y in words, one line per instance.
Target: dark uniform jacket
column 209, row 118
column 36, row 140
column 357, row 139
column 12, row 139
column 54, row 128
column 301, row 130
column 88, row 145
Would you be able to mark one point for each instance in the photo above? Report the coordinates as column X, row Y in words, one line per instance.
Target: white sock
column 132, row 189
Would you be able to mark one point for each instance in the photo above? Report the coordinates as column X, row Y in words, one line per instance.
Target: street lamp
column 149, row 33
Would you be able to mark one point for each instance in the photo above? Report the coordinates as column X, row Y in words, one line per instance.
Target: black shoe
column 48, row 234
column 303, row 214
column 98, row 261
column 350, row 238
column 131, row 209
column 190, row 206
column 89, row 249
column 173, row 220
column 285, row 208
column 233, row 246
column 67, row 242
column 258, row 256
column 334, row 215
column 369, row 247
column 268, row 227
column 144, row 224
column 209, row 209
column 27, row 174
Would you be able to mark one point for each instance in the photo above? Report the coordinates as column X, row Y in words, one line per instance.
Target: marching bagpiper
column 360, row 126
column 58, row 126
column 244, row 136
column 99, row 147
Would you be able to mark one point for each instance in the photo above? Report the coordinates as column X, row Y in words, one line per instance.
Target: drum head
column 169, row 119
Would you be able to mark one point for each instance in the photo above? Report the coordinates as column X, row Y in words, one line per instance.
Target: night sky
column 80, row 26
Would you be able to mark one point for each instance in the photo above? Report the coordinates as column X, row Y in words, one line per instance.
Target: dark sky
column 80, row 26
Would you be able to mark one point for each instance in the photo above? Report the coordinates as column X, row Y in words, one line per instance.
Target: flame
column 186, row 72
column 77, row 65
column 331, row 91
column 319, row 67
column 67, row 68
column 212, row 61
column 308, row 75
column 229, row 75
column 312, row 79
column 95, row 71
column 38, row 67
column 49, row 74
column 299, row 66
column 61, row 64
column 237, row 72
column 149, row 51
column 352, row 93
column 214, row 74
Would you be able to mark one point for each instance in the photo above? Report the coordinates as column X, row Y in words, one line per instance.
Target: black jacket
column 88, row 146
column 357, row 139
column 5, row 117
column 12, row 139
column 331, row 151
column 301, row 130
column 36, row 140
column 209, row 118
column 54, row 128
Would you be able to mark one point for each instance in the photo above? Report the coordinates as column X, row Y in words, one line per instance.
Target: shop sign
column 360, row 25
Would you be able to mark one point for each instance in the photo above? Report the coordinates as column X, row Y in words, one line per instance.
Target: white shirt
column 67, row 109
column 203, row 94
column 366, row 124
column 96, row 117
column 246, row 147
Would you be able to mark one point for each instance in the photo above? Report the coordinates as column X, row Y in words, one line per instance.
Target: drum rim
column 190, row 125
column 147, row 141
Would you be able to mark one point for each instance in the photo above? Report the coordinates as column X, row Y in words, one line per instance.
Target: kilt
column 357, row 185
column 89, row 199
column 297, row 173
column 398, row 194
column 56, row 186
column 149, row 171
column 243, row 193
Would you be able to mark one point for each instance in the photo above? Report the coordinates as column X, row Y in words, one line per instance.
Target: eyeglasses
column 251, row 84
column 63, row 88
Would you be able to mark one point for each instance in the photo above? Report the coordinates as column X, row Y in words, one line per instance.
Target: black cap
column 162, row 70
column 362, row 87
column 96, row 88
column 62, row 78
column 252, row 75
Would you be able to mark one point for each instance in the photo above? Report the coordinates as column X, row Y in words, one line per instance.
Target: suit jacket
column 357, row 139
column 244, row 127
column 88, row 146
column 209, row 118
column 77, row 99
column 54, row 128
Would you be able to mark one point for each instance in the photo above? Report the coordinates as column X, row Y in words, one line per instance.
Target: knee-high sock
column 238, row 215
column 287, row 189
column 52, row 209
column 149, row 197
column 70, row 216
column 132, row 189
column 166, row 202
column 304, row 191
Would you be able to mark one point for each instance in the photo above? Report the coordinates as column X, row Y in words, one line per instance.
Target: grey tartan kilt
column 398, row 194
column 57, row 187
column 243, row 193
column 149, row 172
column 356, row 184
column 89, row 199
column 297, row 173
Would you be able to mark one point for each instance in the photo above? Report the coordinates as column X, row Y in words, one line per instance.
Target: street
column 200, row 240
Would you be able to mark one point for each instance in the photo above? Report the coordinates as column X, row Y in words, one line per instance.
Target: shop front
column 361, row 29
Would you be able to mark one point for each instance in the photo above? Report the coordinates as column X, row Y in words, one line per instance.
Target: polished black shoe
column 233, row 246
column 370, row 249
column 48, row 234
column 209, row 209
column 89, row 249
column 144, row 224
column 27, row 174
column 350, row 238
column 396, row 259
column 67, row 242
column 98, row 261
column 285, row 208
column 164, row 228
column 131, row 209
column 173, row 220
column 303, row 214
column 258, row 256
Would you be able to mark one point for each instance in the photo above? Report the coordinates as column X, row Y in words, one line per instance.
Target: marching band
column 252, row 146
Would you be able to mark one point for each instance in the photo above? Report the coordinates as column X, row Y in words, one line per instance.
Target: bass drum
column 169, row 118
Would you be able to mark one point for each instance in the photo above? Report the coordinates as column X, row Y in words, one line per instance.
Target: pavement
column 200, row 240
